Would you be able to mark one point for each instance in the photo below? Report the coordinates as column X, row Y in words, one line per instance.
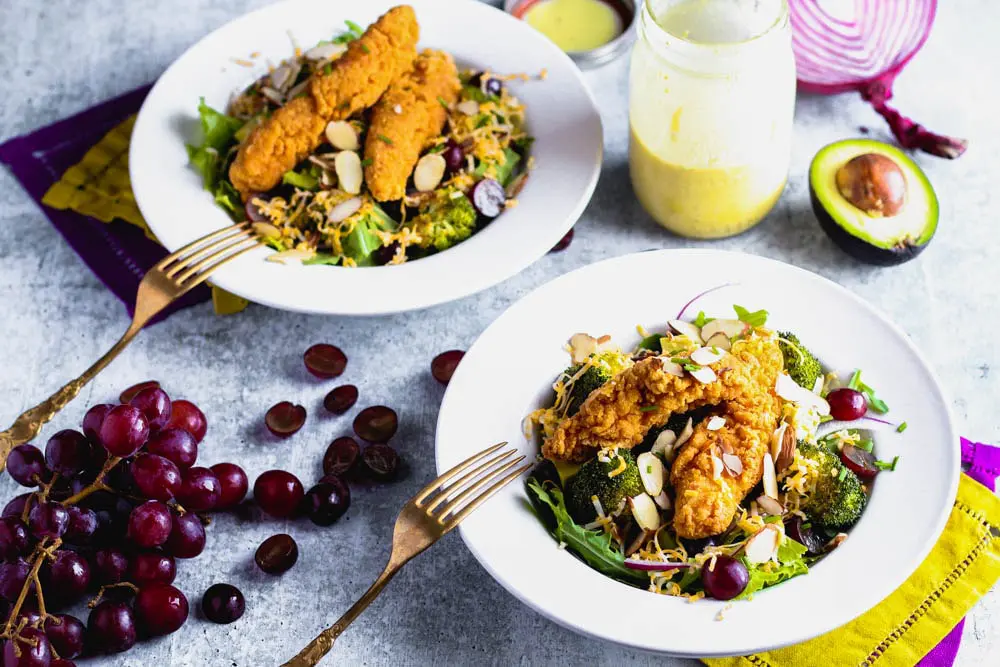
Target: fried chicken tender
column 405, row 118
column 355, row 82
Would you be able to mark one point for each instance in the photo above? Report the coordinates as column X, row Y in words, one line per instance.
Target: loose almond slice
column 291, row 255
column 771, row 506
column 664, row 443
column 704, row 375
column 776, row 440
column 685, row 434
column 671, row 367
column 266, row 229
column 582, row 346
column 763, row 546
column 662, row 500
column 715, row 423
column 706, row 356
column 429, row 171
column 645, row 512
column 721, row 341
column 651, row 473
column 717, row 467
column 730, row 328
column 686, row 329
column 349, row 174
column 468, row 107
column 342, row 135
column 733, row 464
column 787, row 388
column 769, row 478
column 344, row 210
column 325, row 51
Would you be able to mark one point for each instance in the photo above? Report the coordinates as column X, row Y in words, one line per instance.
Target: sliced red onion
column 652, row 565
column 687, row 305
column 880, row 421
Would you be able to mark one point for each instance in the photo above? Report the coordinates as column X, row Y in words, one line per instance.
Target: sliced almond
column 769, row 478
column 281, row 76
column 770, row 506
column 651, row 473
column 344, row 210
column 266, row 229
column 272, row 94
column 787, row 453
column 325, row 51
column 763, row 546
column 685, row 433
column 733, row 464
column 640, row 539
column 777, row 438
column 662, row 500
column 293, row 255
column 686, row 329
column 837, row 540
column 704, row 375
column 342, row 135
column 671, row 367
column 582, row 346
column 468, row 107
column 730, row 328
column 706, row 356
column 349, row 174
column 645, row 512
column 717, row 467
column 787, row 388
column 664, row 443
column 715, row 423
column 429, row 171
column 721, row 341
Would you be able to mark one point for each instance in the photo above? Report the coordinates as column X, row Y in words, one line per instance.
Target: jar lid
column 626, row 11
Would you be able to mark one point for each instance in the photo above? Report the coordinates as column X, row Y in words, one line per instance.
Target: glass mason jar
column 711, row 100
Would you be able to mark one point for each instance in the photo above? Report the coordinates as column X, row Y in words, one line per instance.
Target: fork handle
column 30, row 422
column 321, row 645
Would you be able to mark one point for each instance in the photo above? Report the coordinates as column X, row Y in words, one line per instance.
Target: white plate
column 561, row 114
column 509, row 370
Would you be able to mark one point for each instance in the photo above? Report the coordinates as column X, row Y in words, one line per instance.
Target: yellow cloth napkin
column 962, row 567
column 98, row 186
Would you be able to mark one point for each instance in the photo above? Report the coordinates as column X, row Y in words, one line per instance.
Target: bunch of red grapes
column 110, row 510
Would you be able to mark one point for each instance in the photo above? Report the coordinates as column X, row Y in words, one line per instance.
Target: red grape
column 48, row 519
column 859, row 461
column 126, row 396
column 443, row 366
column 26, row 465
column 200, row 489
column 847, row 404
column 13, row 574
column 326, row 502
column 161, row 608
column 488, row 197
column 16, row 505
column 111, row 627
column 110, row 565
column 186, row 415
column 342, row 457
column 325, row 361
column 14, row 538
column 68, row 575
column 29, row 648
column 564, row 242
column 149, row 524
column 92, row 422
column 68, row 452
column 278, row 493
column 174, row 444
column 82, row 525
column 801, row 532
column 187, row 538
column 381, row 462
column 376, row 424
column 124, row 430
column 120, row 478
column 726, row 579
column 454, row 156
column 285, row 419
column 66, row 634
column 223, row 603
column 233, row 483
column 341, row 399
column 277, row 554
column 156, row 477
column 154, row 404
column 149, row 567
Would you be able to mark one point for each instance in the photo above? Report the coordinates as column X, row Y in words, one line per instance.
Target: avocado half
column 869, row 235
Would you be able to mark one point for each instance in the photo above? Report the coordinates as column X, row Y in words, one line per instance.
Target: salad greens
column 791, row 563
column 211, row 157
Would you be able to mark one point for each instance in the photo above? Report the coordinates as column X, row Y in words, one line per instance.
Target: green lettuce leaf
column 322, row 258
column 754, row 319
column 304, row 179
column 228, row 198
column 791, row 563
column 218, row 129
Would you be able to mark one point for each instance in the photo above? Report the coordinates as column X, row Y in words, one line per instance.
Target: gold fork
column 418, row 526
column 174, row 276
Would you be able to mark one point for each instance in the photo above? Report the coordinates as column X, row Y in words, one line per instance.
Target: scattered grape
column 111, row 627
column 861, row 462
column 381, row 462
column 443, row 366
column 148, row 567
column 186, row 415
column 489, row 198
column 847, row 404
column 68, row 452
column 149, row 524
column 342, row 457
column 325, row 361
column 66, row 634
column 326, row 502
column 376, row 424
column 200, row 489
column 161, row 608
column 187, row 538
column 233, row 484
column 277, row 554
column 564, row 242
column 154, row 404
column 285, row 419
column 124, row 430
column 26, row 465
column 223, row 603
column 278, row 493
column 174, row 444
column 341, row 399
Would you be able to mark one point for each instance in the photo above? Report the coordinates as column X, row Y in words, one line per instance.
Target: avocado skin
column 860, row 249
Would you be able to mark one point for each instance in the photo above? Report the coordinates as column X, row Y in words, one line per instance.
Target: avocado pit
column 873, row 183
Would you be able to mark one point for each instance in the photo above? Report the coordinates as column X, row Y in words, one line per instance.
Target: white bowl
column 561, row 114
column 508, row 372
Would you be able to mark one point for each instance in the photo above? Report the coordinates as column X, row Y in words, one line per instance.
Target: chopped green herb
column 701, row 320
column 364, row 47
column 855, row 380
column 825, row 418
column 686, row 364
column 901, row 428
column 649, row 408
column 328, row 69
column 354, row 27
column 366, row 162
column 442, row 102
column 887, row 465
column 754, row 319
column 867, row 444
column 649, row 470
column 383, row 138
column 807, row 525
column 874, row 402
column 843, row 474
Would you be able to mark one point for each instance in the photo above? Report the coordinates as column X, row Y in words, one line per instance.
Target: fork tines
column 209, row 252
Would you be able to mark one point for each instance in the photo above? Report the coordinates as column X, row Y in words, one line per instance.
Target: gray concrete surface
column 60, row 56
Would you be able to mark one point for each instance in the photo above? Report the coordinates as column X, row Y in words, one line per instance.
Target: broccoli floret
column 839, row 498
column 448, row 219
column 603, row 367
column 801, row 364
column 592, row 480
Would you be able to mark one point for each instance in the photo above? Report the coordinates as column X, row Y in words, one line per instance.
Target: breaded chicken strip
column 408, row 115
column 355, row 82
column 612, row 415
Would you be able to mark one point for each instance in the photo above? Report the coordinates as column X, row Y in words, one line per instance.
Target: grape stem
column 41, row 552
column 97, row 485
column 100, row 593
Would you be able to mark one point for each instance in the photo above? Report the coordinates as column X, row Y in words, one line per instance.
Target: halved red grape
column 381, row 462
column 443, row 366
column 156, row 477
column 186, row 415
column 325, row 361
column 726, row 578
column 342, row 457
column 285, row 419
column 341, row 399
column 564, row 242
column 149, row 567
column 111, row 627
column 92, row 421
column 277, row 554
column 847, row 404
column 200, row 489
column 802, row 532
column 377, row 423
column 174, row 444
column 254, row 214
column 327, row 501
column 161, row 608
column 26, row 465
column 278, row 493
column 130, row 393
column 488, row 197
column 223, row 603
column 859, row 461
column 187, row 537
column 68, row 452
column 154, row 404
column 233, row 482
column 124, row 430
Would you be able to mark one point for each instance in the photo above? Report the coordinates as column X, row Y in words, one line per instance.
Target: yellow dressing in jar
column 712, row 92
column 575, row 25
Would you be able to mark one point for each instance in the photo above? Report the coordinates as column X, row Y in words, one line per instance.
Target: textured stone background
column 61, row 56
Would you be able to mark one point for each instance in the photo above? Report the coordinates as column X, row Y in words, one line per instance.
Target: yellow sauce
column 575, row 25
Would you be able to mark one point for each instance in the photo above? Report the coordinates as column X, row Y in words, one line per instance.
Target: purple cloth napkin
column 118, row 253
